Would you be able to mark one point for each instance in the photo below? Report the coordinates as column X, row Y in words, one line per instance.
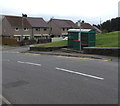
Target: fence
column 8, row 41
column 102, row 51
column 55, row 39
column 29, row 42
column 44, row 40
column 12, row 41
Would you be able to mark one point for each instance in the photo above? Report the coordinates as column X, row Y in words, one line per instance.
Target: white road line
column 87, row 75
column 29, row 63
column 5, row 100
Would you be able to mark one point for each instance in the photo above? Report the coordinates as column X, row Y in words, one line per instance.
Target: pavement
column 61, row 52
column 74, row 54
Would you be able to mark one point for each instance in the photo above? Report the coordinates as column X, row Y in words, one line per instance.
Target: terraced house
column 24, row 27
column 89, row 26
column 59, row 27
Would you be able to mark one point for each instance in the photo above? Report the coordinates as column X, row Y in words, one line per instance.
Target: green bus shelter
column 79, row 38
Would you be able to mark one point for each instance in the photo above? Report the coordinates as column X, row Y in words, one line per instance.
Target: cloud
column 62, row 8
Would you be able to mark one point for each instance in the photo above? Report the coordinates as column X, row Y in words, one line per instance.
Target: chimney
column 24, row 15
column 83, row 21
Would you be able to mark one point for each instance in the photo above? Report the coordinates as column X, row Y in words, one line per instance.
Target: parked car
column 66, row 38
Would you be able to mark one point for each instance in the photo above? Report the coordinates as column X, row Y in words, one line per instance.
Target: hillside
column 108, row 39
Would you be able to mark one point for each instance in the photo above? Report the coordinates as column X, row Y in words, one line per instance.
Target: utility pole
column 79, row 25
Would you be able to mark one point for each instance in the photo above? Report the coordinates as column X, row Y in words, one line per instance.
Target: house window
column 63, row 29
column 26, row 29
column 16, row 29
column 51, row 29
column 37, row 29
column 45, row 29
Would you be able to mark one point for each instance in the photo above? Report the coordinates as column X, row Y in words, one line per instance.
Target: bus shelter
column 79, row 38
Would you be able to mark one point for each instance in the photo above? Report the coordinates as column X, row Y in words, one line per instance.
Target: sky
column 91, row 11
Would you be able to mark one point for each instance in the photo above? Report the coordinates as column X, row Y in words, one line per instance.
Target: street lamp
column 79, row 25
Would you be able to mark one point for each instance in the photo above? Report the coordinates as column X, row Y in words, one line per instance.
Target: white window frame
column 16, row 29
column 26, row 29
column 45, row 29
column 37, row 29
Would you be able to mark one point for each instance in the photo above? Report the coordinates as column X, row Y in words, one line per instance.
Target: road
column 42, row 79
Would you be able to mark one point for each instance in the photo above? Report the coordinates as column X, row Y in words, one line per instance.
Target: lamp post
column 79, row 25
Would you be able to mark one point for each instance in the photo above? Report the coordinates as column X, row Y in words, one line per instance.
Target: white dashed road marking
column 29, row 63
column 65, row 70
column 78, row 73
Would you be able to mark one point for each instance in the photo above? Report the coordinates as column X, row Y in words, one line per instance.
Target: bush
column 104, row 31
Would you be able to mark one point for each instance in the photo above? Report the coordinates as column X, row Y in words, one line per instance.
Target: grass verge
column 110, row 39
column 53, row 44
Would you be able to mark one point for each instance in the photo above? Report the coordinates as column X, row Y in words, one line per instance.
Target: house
column 24, row 27
column 59, row 27
column 40, row 29
column 89, row 26
column 97, row 30
column 16, row 27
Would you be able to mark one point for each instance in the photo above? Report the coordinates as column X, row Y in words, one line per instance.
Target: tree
column 110, row 25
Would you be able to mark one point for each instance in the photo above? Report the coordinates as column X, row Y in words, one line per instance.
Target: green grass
column 102, row 40
column 53, row 44
column 108, row 39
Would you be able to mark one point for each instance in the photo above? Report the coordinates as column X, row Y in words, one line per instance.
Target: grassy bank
column 53, row 44
column 108, row 39
column 102, row 40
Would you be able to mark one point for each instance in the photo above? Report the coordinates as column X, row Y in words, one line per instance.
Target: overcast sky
column 88, row 10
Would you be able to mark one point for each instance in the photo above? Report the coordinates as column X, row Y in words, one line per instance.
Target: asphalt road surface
column 42, row 79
